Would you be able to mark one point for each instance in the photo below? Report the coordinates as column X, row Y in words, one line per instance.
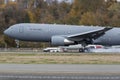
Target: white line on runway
column 62, row 77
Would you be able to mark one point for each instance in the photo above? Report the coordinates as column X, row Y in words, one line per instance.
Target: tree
column 88, row 18
column 80, row 7
column 115, row 20
column 31, row 16
column 23, row 3
column 11, row 14
column 110, row 2
column 63, row 10
column 1, row 2
column 115, row 7
column 10, row 42
column 114, row 14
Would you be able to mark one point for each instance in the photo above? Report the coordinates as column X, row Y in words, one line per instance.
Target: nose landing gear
column 18, row 43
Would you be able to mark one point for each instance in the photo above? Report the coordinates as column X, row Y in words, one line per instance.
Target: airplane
column 61, row 35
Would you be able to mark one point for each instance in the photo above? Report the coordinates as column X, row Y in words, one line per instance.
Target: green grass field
column 73, row 58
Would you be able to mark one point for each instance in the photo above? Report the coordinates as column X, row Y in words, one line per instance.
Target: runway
column 59, row 72
column 58, row 77
column 59, row 68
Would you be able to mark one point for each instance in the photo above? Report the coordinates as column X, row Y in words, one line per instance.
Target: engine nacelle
column 60, row 41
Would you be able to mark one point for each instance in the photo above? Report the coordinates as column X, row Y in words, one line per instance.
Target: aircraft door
column 21, row 29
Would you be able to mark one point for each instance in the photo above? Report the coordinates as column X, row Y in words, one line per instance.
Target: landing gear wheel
column 81, row 50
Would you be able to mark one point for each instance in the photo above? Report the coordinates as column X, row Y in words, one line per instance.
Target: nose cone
column 7, row 32
column 11, row 31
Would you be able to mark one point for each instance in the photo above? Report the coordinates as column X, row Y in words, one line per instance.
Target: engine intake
column 60, row 41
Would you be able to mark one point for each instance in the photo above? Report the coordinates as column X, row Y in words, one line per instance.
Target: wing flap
column 90, row 34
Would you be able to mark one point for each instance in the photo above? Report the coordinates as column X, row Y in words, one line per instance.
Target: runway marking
column 62, row 77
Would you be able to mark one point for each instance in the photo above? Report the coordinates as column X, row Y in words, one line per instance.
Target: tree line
column 80, row 12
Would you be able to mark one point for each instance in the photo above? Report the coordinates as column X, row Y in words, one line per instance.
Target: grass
column 73, row 58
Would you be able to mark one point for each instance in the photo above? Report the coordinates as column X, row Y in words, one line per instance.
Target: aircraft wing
column 90, row 34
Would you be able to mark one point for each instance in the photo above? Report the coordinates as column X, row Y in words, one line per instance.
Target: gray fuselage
column 44, row 32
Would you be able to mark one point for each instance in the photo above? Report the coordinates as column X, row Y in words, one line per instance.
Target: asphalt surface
column 59, row 72
column 60, row 68
column 58, row 77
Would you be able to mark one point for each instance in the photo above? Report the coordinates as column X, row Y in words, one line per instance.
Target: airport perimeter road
column 59, row 72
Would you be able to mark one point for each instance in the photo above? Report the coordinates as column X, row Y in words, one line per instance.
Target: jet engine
column 60, row 41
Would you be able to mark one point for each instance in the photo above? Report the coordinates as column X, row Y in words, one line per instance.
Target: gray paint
column 44, row 32
column 59, row 68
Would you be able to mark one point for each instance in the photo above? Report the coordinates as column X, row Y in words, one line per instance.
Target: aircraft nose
column 6, row 32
